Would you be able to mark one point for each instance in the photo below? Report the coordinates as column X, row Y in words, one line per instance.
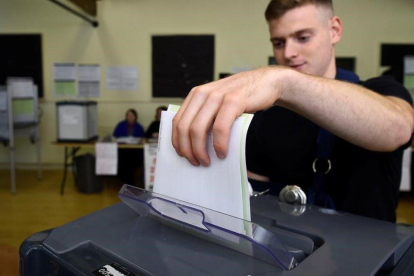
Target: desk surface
column 91, row 144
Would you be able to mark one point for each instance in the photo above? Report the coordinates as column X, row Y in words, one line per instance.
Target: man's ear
column 336, row 29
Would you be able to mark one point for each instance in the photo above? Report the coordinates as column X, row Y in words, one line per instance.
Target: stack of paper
column 221, row 187
column 128, row 140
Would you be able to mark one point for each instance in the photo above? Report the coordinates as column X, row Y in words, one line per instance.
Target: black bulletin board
column 181, row 62
column 347, row 63
column 21, row 56
column 392, row 55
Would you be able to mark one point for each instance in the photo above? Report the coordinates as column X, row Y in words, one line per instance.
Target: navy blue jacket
column 121, row 130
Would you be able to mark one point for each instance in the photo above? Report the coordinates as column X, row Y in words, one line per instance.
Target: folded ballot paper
column 221, row 187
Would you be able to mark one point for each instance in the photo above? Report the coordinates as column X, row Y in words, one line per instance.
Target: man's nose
column 291, row 50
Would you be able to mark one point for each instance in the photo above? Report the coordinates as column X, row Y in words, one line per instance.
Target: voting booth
column 77, row 121
column 151, row 234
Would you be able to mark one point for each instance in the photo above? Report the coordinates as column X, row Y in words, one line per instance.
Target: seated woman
column 130, row 126
column 130, row 161
column 154, row 128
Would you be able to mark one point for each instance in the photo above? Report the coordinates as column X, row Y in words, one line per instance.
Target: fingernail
column 195, row 163
column 204, row 164
column 220, row 156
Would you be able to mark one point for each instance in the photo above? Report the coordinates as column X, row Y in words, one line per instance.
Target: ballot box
column 151, row 234
column 77, row 121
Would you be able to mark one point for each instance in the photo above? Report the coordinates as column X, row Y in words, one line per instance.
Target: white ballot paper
column 106, row 158
column 222, row 187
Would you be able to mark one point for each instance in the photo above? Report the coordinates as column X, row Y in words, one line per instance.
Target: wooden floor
column 38, row 206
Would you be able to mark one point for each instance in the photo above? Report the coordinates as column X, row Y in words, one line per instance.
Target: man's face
column 303, row 39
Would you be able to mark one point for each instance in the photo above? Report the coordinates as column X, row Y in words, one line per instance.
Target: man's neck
column 331, row 71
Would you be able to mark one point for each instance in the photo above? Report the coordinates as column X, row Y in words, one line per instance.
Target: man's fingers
column 202, row 125
column 183, row 142
column 177, row 119
column 184, row 121
column 231, row 109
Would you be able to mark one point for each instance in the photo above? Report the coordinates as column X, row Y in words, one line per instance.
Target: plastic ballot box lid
column 151, row 234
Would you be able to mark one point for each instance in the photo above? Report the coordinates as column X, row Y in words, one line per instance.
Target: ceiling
column 88, row 6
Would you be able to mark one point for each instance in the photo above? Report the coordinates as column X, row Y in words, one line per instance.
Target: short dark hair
column 163, row 108
column 134, row 112
column 277, row 8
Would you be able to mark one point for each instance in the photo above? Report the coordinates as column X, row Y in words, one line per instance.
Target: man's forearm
column 352, row 112
column 258, row 177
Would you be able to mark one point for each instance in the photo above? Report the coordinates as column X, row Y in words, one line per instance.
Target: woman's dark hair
column 163, row 108
column 134, row 112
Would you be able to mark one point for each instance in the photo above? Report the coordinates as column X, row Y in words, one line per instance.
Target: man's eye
column 303, row 38
column 278, row 45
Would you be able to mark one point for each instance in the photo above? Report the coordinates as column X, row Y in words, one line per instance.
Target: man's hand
column 351, row 112
column 216, row 105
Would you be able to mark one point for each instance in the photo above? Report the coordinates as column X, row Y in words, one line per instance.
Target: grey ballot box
column 119, row 239
column 77, row 121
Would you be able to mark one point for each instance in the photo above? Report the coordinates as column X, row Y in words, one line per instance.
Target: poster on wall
column 89, row 80
column 150, row 159
column 122, row 78
column 64, row 76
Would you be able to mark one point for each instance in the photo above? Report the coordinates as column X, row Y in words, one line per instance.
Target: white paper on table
column 128, row 140
column 222, row 187
column 64, row 72
column 106, row 158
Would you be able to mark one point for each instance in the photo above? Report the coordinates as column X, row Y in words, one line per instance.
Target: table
column 71, row 148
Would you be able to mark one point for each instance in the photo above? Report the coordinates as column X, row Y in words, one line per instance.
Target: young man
column 370, row 121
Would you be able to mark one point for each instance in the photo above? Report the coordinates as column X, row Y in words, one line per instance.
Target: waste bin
column 85, row 177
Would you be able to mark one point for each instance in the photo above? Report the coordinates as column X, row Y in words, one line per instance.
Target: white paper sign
column 64, row 71
column 89, row 73
column 89, row 80
column 123, row 78
column 106, row 158
column 130, row 78
column 150, row 158
column 89, row 89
